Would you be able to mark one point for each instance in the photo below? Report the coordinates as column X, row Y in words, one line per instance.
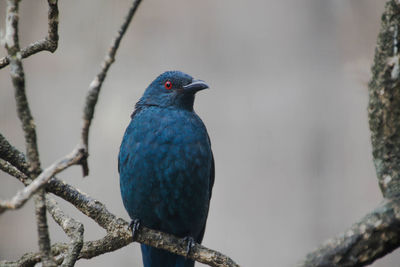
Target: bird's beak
column 195, row 86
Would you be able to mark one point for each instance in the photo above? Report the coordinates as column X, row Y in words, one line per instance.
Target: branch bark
column 377, row 234
column 71, row 227
column 374, row 236
column 384, row 103
column 12, row 155
column 95, row 86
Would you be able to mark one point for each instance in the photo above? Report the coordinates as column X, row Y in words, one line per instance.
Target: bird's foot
column 190, row 244
column 134, row 227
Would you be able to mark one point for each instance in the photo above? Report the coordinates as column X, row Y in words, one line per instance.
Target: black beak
column 195, row 86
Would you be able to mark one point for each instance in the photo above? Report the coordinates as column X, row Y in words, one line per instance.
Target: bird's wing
column 212, row 174
column 137, row 109
column 211, row 184
column 119, row 160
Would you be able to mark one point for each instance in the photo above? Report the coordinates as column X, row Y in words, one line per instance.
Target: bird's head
column 172, row 89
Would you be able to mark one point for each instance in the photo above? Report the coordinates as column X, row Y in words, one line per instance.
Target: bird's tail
column 154, row 257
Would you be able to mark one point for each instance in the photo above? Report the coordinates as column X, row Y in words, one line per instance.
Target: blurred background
column 286, row 112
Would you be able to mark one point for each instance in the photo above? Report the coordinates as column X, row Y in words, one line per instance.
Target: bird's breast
column 165, row 163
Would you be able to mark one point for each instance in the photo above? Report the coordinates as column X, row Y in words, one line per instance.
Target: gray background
column 286, row 113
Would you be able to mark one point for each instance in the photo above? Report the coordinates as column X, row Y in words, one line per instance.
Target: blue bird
column 166, row 165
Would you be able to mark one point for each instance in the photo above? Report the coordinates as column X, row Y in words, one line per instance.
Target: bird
column 166, row 166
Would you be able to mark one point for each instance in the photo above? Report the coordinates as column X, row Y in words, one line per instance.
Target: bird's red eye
column 168, row 85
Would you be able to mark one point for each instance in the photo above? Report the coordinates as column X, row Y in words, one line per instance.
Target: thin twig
column 49, row 43
column 95, row 86
column 71, row 227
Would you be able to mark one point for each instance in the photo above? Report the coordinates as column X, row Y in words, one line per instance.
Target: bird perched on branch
column 166, row 166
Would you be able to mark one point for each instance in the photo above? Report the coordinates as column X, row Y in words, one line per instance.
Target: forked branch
column 49, row 43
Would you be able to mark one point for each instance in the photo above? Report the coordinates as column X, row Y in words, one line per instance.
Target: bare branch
column 28, row 125
column 10, row 154
column 52, row 33
column 384, row 103
column 43, row 229
column 377, row 234
column 95, row 85
column 28, row 260
column 18, row 79
column 49, row 43
column 372, row 237
column 11, row 170
column 71, row 227
column 155, row 239
column 121, row 237
column 22, row 196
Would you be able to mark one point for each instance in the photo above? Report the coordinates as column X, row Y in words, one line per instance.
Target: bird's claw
column 190, row 244
column 134, row 227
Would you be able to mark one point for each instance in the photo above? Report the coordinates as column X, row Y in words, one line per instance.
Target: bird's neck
column 184, row 101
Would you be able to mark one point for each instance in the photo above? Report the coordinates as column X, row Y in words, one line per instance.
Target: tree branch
column 121, row 237
column 49, row 43
column 95, row 85
column 18, row 80
column 11, row 170
column 43, row 229
column 24, row 195
column 71, row 227
column 28, row 125
column 12, row 155
column 374, row 236
column 384, row 103
column 117, row 229
column 377, row 234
